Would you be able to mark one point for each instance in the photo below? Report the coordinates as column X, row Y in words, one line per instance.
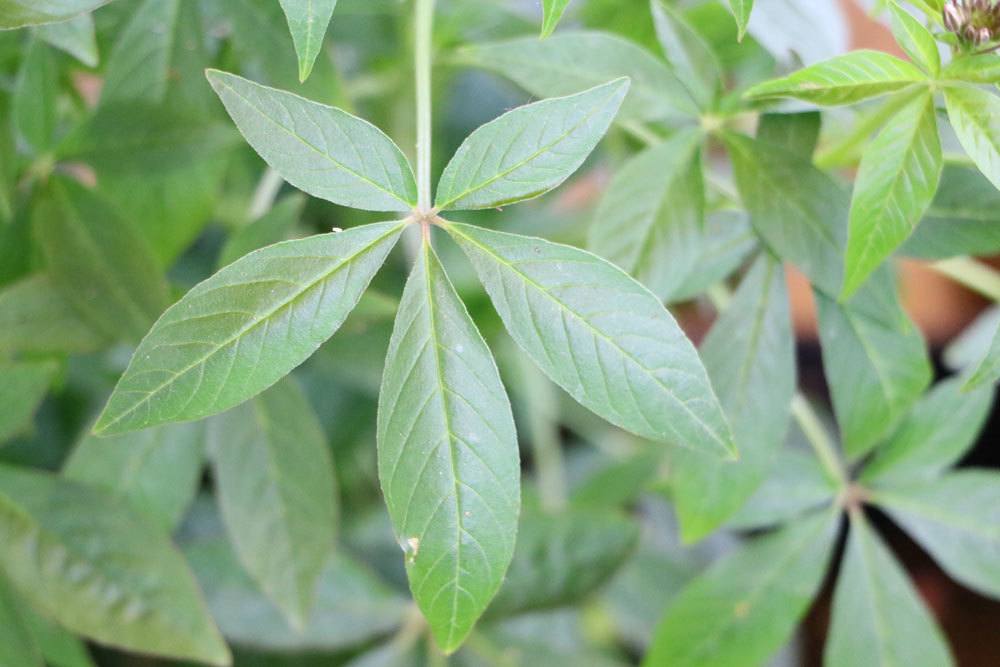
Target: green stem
column 975, row 275
column 424, row 59
column 265, row 194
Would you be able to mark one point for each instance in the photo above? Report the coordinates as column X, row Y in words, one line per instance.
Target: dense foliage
column 226, row 430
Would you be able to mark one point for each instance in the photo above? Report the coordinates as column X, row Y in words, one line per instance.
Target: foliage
column 226, row 408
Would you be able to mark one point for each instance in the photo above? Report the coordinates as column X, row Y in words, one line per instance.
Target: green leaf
column 741, row 12
column 650, row 221
column 601, row 336
column 36, row 319
column 75, row 37
column 964, row 218
column 750, row 358
column 899, row 175
column 98, row 262
column 552, row 12
column 246, row 327
column 796, row 132
column 988, row 371
column 875, row 360
column 156, row 471
column 272, row 227
column 745, row 606
column 576, row 60
column 101, row 570
column 916, row 40
column 275, row 485
column 619, row 483
column 20, row 13
column 797, row 484
column 59, row 647
column 447, row 455
column 726, row 243
column 968, row 348
column 142, row 59
column 956, row 518
column 563, row 558
column 983, row 68
column 799, row 211
column 845, row 79
column 878, row 617
column 352, row 607
column 939, row 430
column 688, row 53
column 22, row 390
column 308, row 21
column 975, row 117
column 17, row 646
column 34, row 106
column 322, row 150
column 528, row 151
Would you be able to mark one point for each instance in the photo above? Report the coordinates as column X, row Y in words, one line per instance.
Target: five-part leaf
column 308, row 21
column 100, row 569
column 878, row 617
column 322, row 150
column 552, row 12
column 844, row 79
column 601, row 336
column 246, row 327
column 744, row 607
column 569, row 62
column 975, row 116
column 275, row 485
column 447, row 455
column 651, row 218
column 530, row 150
column 20, row 13
column 156, row 471
column 750, row 358
column 956, row 518
column 875, row 360
column 896, row 183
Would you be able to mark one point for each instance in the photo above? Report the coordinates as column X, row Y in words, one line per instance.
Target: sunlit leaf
column 975, row 116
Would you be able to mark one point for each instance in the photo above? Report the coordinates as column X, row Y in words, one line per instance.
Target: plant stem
column 975, row 275
column 423, row 59
column 265, row 194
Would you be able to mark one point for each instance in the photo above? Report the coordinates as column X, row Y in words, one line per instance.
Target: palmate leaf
column 308, row 21
column 878, row 617
column 156, row 471
column 101, row 570
column 246, row 327
column 576, row 60
column 20, row 13
column 743, row 608
column 896, row 183
column 750, row 358
column 975, row 117
column 530, row 150
column 650, row 221
column 321, row 150
column 956, row 518
column 601, row 336
column 552, row 12
column 845, row 79
column 447, row 455
column 275, row 485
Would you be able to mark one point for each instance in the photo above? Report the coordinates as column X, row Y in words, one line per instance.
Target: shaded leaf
column 275, row 485
column 24, row 385
column 796, row 132
column 651, row 217
column 447, row 455
column 845, row 79
column 17, row 646
column 59, row 647
column 744, row 607
column 322, row 150
column 688, row 53
column 101, row 570
column 216, row 348
column 975, row 117
column 896, row 183
column 35, row 318
column 34, row 105
column 878, row 617
column 988, row 371
column 875, row 360
column 75, row 37
column 528, row 151
column 600, row 335
column 576, row 60
column 20, row 13
column 271, row 227
column 956, row 518
column 726, row 243
column 308, row 21
column 797, row 484
column 156, row 471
